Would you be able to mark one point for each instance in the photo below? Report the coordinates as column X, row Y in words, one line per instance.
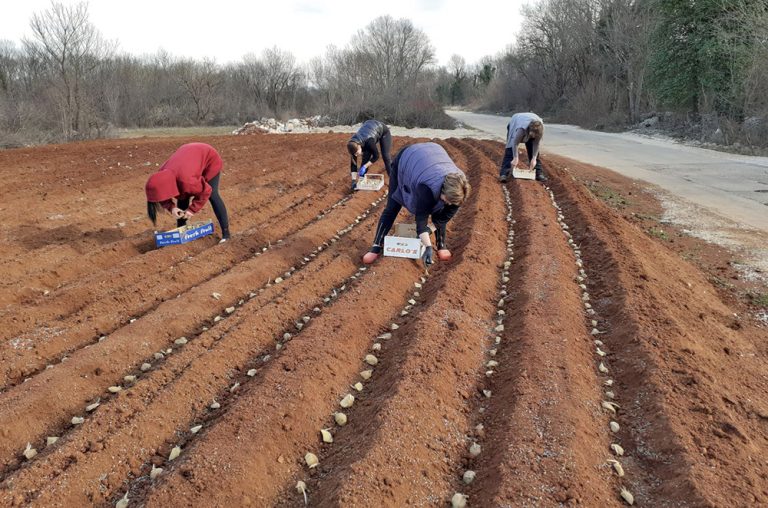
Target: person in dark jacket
column 425, row 181
column 363, row 143
column 525, row 128
column 185, row 182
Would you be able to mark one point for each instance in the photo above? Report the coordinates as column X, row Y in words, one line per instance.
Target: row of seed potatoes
column 601, row 351
column 460, row 500
column 281, row 341
column 30, row 452
column 370, row 361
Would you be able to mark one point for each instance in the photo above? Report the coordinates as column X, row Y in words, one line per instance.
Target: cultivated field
column 558, row 330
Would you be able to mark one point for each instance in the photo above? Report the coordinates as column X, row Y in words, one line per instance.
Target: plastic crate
column 371, row 182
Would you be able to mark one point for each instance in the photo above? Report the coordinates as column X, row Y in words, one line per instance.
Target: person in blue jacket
column 525, row 128
column 363, row 144
column 425, row 181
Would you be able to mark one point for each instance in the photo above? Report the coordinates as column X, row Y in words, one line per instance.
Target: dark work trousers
column 390, row 212
column 440, row 220
column 219, row 209
column 509, row 155
column 385, row 143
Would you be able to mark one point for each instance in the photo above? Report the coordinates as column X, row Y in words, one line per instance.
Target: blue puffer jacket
column 421, row 170
column 371, row 129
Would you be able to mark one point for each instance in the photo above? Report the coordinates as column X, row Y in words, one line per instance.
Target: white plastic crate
column 524, row 174
column 372, row 182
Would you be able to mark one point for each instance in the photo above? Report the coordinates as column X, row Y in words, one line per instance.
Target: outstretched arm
column 519, row 135
column 200, row 199
column 535, row 156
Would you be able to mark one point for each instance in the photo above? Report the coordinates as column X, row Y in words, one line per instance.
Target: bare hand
column 187, row 214
column 533, row 165
column 177, row 212
column 515, row 162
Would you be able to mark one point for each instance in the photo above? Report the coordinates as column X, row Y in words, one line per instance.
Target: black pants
column 509, row 155
column 389, row 215
column 385, row 144
column 219, row 209
column 390, row 212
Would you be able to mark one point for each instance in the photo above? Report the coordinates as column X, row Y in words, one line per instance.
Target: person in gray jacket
column 525, row 128
column 363, row 144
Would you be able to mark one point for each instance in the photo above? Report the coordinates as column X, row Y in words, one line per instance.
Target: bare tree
column 626, row 42
column 281, row 77
column 394, row 52
column 200, row 82
column 66, row 41
column 457, row 66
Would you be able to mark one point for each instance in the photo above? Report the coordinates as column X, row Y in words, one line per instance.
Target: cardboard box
column 403, row 243
column 524, row 174
column 183, row 234
column 372, row 182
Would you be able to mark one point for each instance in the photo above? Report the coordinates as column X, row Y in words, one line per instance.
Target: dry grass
column 158, row 132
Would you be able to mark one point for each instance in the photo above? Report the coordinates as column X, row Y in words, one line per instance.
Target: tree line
column 701, row 65
column 66, row 81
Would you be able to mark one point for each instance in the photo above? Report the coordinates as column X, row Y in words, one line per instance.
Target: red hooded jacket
column 185, row 175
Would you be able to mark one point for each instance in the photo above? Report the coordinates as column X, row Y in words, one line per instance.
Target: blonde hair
column 536, row 129
column 456, row 188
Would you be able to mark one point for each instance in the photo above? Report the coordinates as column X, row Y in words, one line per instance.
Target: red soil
column 79, row 264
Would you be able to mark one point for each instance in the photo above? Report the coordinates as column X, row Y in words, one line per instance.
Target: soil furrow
column 62, row 253
column 262, row 439
column 132, row 296
column 419, row 405
column 89, row 270
column 86, row 374
column 73, row 263
column 143, row 423
column 689, row 419
column 81, row 242
column 543, row 438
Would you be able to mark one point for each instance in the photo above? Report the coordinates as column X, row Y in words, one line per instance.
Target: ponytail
column 152, row 211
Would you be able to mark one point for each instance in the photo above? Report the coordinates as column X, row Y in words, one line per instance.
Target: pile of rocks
column 273, row 126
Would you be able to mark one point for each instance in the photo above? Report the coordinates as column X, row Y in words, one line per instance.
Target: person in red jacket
column 188, row 179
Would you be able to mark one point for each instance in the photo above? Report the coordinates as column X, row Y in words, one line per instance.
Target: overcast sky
column 228, row 29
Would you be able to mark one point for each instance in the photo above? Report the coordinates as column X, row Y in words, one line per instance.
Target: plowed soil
column 556, row 319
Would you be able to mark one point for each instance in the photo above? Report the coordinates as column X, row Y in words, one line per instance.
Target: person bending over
column 363, row 144
column 525, row 128
column 185, row 182
column 425, row 181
